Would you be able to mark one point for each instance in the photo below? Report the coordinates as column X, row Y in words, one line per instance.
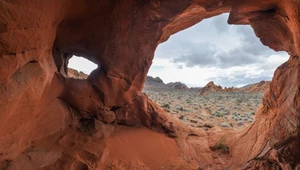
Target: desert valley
column 209, row 106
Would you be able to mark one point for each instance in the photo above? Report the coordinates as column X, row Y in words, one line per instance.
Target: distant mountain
column 256, row 87
column 150, row 79
column 177, row 85
column 152, row 83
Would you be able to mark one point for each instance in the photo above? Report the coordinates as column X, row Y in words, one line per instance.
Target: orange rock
column 211, row 87
column 40, row 107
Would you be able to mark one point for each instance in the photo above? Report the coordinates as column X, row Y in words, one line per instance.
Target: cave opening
column 212, row 74
column 80, row 67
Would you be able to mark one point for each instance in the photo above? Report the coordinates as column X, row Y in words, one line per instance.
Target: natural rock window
column 80, row 67
column 190, row 69
column 51, row 121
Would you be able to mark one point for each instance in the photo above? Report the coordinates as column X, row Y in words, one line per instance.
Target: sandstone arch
column 49, row 121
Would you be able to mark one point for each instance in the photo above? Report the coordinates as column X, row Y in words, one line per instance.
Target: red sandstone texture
column 51, row 121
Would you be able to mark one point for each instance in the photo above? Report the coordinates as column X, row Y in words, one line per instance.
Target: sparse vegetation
column 234, row 109
column 166, row 106
column 221, row 146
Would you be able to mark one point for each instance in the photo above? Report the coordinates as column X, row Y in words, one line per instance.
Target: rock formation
column 211, row 87
column 77, row 75
column 50, row 121
column 262, row 86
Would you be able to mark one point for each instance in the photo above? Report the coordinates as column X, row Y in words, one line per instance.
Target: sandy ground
column 224, row 109
column 144, row 149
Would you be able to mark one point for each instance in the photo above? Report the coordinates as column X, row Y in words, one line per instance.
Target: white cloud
column 82, row 64
column 213, row 50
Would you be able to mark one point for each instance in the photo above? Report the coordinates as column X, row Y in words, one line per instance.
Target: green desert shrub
column 166, row 106
column 218, row 114
column 221, row 146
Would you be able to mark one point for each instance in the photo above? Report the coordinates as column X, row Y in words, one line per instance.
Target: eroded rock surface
column 49, row 121
column 262, row 86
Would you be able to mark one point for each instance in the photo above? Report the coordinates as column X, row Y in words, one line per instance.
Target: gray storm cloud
column 215, row 44
column 207, row 54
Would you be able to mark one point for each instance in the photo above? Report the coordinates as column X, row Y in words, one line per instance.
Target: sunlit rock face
column 51, row 121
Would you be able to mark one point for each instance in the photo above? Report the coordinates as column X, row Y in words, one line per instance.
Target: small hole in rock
column 80, row 67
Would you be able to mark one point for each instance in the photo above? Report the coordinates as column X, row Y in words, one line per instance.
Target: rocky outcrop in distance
column 72, row 73
column 210, row 87
column 154, row 83
column 150, row 79
column 261, row 86
column 177, row 85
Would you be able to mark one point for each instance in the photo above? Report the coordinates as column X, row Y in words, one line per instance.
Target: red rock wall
column 49, row 121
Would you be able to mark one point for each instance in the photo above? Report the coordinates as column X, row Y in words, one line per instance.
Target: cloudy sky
column 212, row 50
column 230, row 55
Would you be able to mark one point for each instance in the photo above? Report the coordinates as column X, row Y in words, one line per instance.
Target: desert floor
column 227, row 110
